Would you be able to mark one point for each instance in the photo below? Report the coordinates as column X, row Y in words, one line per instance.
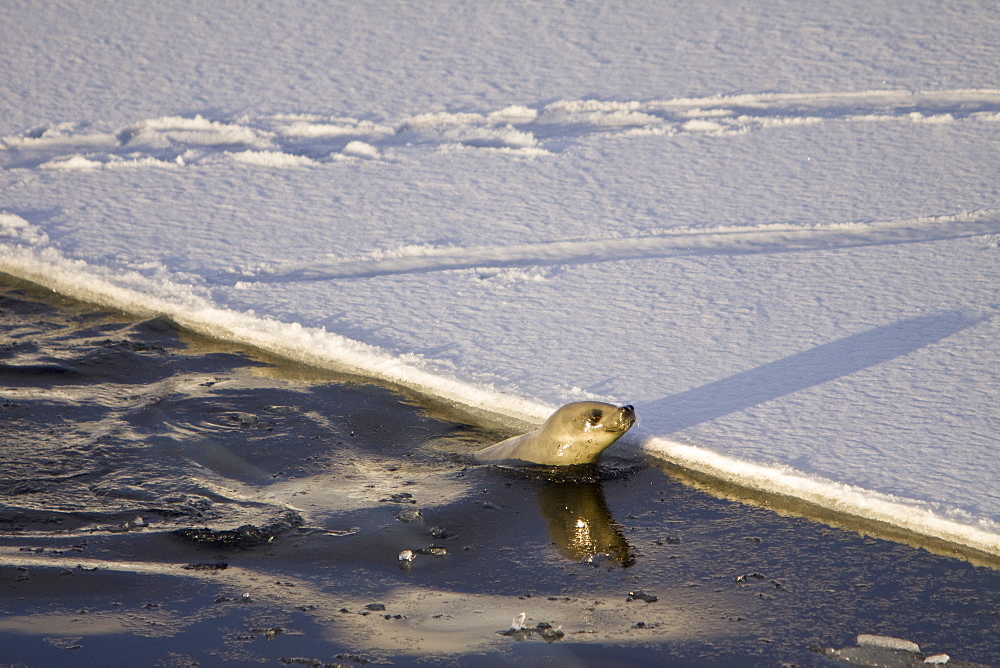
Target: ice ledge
column 854, row 507
column 134, row 293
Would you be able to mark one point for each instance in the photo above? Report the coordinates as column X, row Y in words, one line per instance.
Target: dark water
column 167, row 500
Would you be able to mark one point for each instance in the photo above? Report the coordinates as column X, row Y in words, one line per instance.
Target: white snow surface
column 773, row 228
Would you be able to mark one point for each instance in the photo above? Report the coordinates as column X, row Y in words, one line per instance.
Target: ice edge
column 911, row 516
column 317, row 347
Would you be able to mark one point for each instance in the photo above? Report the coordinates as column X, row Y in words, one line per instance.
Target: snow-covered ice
column 773, row 229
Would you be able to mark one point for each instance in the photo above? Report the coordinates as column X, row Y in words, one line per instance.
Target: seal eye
column 594, row 417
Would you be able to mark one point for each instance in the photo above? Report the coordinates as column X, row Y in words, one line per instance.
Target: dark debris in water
column 245, row 536
column 242, row 537
column 544, row 630
column 133, row 346
column 343, row 661
column 640, row 595
column 218, row 566
column 269, row 633
column 300, row 661
column 244, row 419
column 402, row 497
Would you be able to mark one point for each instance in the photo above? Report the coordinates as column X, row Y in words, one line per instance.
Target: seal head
column 577, row 433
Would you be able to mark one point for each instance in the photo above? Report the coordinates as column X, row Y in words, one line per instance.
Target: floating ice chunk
column 938, row 659
column 887, row 642
column 245, row 419
column 548, row 633
column 409, row 515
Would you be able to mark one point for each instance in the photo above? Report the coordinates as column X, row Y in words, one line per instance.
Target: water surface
column 170, row 500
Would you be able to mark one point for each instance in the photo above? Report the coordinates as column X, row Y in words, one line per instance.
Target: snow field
column 772, row 230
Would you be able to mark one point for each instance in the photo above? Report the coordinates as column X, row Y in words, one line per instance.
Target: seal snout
column 629, row 412
column 626, row 418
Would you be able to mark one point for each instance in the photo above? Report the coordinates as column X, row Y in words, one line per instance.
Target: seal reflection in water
column 575, row 434
column 580, row 524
